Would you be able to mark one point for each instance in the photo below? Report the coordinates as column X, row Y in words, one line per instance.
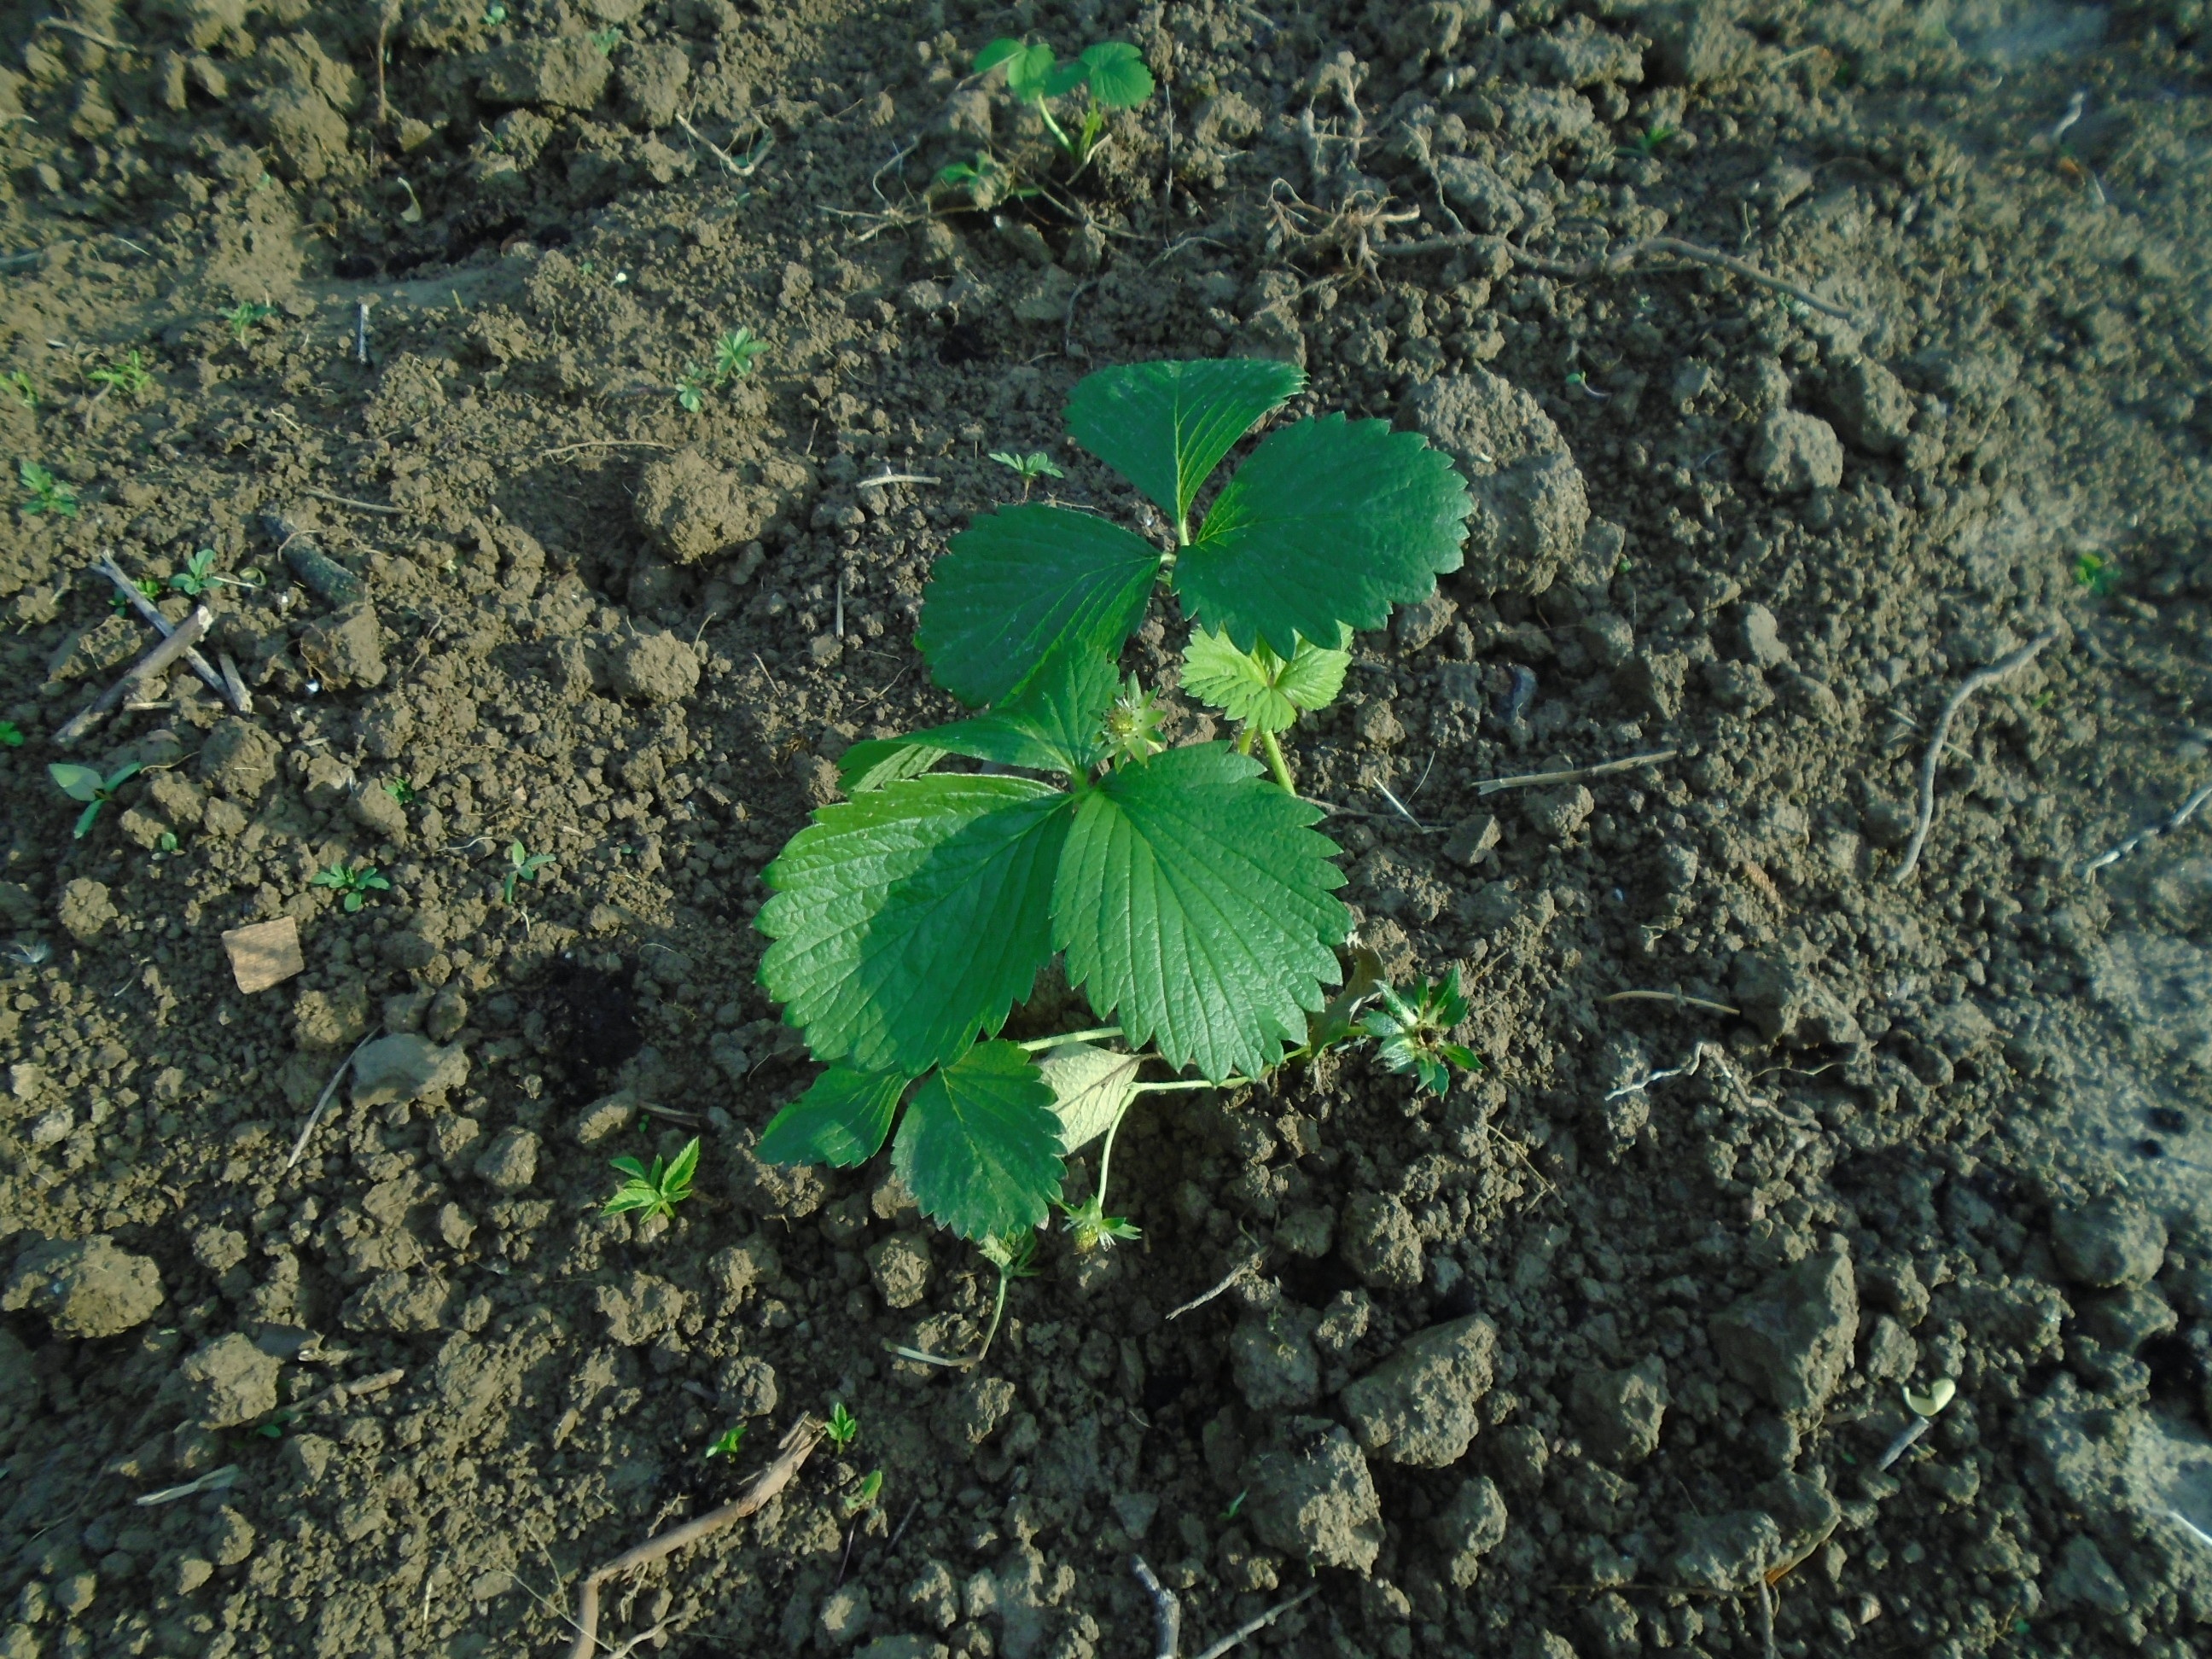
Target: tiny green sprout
column 863, row 1495
column 198, row 576
column 2044, row 699
column 20, row 387
column 1132, row 725
column 49, row 495
column 1235, row 1504
column 149, row 590
column 691, row 388
column 130, row 375
column 726, row 1443
column 986, row 181
column 1028, row 468
column 167, row 841
column 1650, row 141
column 522, row 865
column 242, row 316
column 606, row 39
column 494, row 15
column 401, row 791
column 654, row 1191
column 11, row 735
column 355, row 881
column 1415, row 1035
column 274, row 1427
column 2099, row 574
column 735, row 354
column 84, row 783
column 843, row 1428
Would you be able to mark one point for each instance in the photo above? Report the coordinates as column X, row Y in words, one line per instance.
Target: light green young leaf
column 77, row 782
column 1330, row 522
column 1116, row 71
column 1019, row 583
column 1027, row 64
column 980, row 1146
column 1050, row 725
column 1196, row 909
column 1091, row 1087
column 1257, row 687
column 910, row 919
column 1165, row 426
column 840, row 1120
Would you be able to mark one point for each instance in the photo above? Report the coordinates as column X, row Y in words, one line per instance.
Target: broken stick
column 1575, row 774
column 1167, row 1611
column 186, row 636
column 162, row 625
column 796, row 1446
column 1987, row 675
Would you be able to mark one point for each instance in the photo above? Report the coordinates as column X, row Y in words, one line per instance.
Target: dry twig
column 796, row 1447
column 323, row 1100
column 1989, row 674
column 348, row 501
column 731, row 165
column 1167, row 1611
column 1574, row 775
column 2182, row 814
column 162, row 625
column 185, row 637
column 1252, row 1626
column 1678, row 998
column 1248, row 1265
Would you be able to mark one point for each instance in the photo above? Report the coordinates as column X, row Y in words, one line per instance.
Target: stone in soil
column 405, row 1065
column 85, row 1287
column 239, row 759
column 1725, row 1551
column 1420, row 1405
column 1468, row 1528
column 1790, row 1341
column 564, row 74
column 1794, row 453
column 1271, row 1357
column 1620, row 1411
column 509, row 1164
column 1378, row 1240
column 1316, row 1500
column 1530, row 505
column 901, row 1266
column 2108, row 1242
column 655, row 668
column 229, row 1382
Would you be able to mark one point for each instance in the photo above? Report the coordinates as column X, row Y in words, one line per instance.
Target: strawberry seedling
column 1413, row 1034
column 843, row 1428
column 355, row 881
column 1028, row 468
column 986, row 181
column 1190, row 899
column 49, row 495
column 1110, row 76
column 691, row 389
column 84, row 783
column 522, row 865
column 655, row 1190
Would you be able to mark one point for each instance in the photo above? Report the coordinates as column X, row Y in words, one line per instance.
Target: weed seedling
column 84, row 783
column 843, row 1428
column 20, row 387
column 2099, row 574
column 726, row 1443
column 735, row 352
column 863, row 1496
column 1651, row 141
column 494, row 15
column 654, row 1191
column 522, row 865
column 1111, row 75
column 128, row 377
column 48, row 493
column 355, row 882
column 11, row 735
column 242, row 316
column 691, row 389
column 149, row 590
column 401, row 791
column 606, row 39
column 1028, row 468
column 1414, row 1034
column 986, row 181
column 198, row 576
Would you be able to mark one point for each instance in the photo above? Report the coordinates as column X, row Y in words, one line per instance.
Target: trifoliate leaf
column 1021, row 582
column 979, row 1147
column 1028, row 63
column 1331, row 521
column 1258, row 687
column 1090, row 1088
column 1050, row 725
column 1164, row 427
column 910, row 919
column 1116, row 71
column 840, row 1120
column 1196, row 909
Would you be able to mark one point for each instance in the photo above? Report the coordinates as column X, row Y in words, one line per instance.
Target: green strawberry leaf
column 1065, row 79
column 907, row 920
column 1091, row 1089
column 1331, row 521
column 1027, row 63
column 77, row 782
column 1165, row 426
column 979, row 1147
column 1116, row 71
column 1051, row 725
column 840, row 1120
column 1018, row 583
column 1194, row 907
column 1257, row 687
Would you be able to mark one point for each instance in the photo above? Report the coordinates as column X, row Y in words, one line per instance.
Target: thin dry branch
column 186, row 636
column 1252, row 1626
column 1576, row 774
column 1989, row 674
column 796, row 1447
column 1243, row 1269
column 1676, row 998
column 1167, row 1611
column 147, row 609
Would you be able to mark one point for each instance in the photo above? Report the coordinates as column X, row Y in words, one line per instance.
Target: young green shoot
column 735, row 354
column 843, row 1428
column 19, row 388
column 986, row 181
column 864, row 1495
column 1111, row 75
column 1414, row 1034
column 243, row 315
column 353, row 882
column 691, row 388
column 148, row 589
column 726, row 1443
column 48, row 493
column 494, row 15
column 11, row 735
column 1028, row 468
column 128, row 377
column 1263, row 692
column 198, row 576
column 606, row 39
column 657, row 1189
column 1648, row 142
column 2098, row 574
column 522, row 865
column 400, row 790
column 84, row 783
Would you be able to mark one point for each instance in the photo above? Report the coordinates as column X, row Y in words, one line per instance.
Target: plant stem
column 1195, row 1083
column 1106, row 1156
column 1065, row 142
column 1275, row 762
column 998, row 1312
column 1244, row 740
column 1036, row 1043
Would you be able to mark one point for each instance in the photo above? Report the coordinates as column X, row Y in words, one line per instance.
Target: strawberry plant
column 1188, row 898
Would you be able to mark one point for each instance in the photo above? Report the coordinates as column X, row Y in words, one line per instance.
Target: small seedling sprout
column 735, row 352
column 20, row 387
column 198, row 576
column 11, row 735
column 494, row 15
column 47, row 493
column 606, row 39
column 1112, row 75
column 843, row 1428
column 1413, row 1034
column 522, row 865
column 2099, row 574
column 130, row 375
column 726, row 1443
column 354, row 881
column 863, row 1495
column 401, row 791
column 987, row 181
column 691, row 389
column 85, row 783
column 1028, row 468
column 242, row 316
column 148, row 589
column 1648, row 142
column 657, row 1189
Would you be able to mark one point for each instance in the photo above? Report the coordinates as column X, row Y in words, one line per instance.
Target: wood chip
column 264, row 954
